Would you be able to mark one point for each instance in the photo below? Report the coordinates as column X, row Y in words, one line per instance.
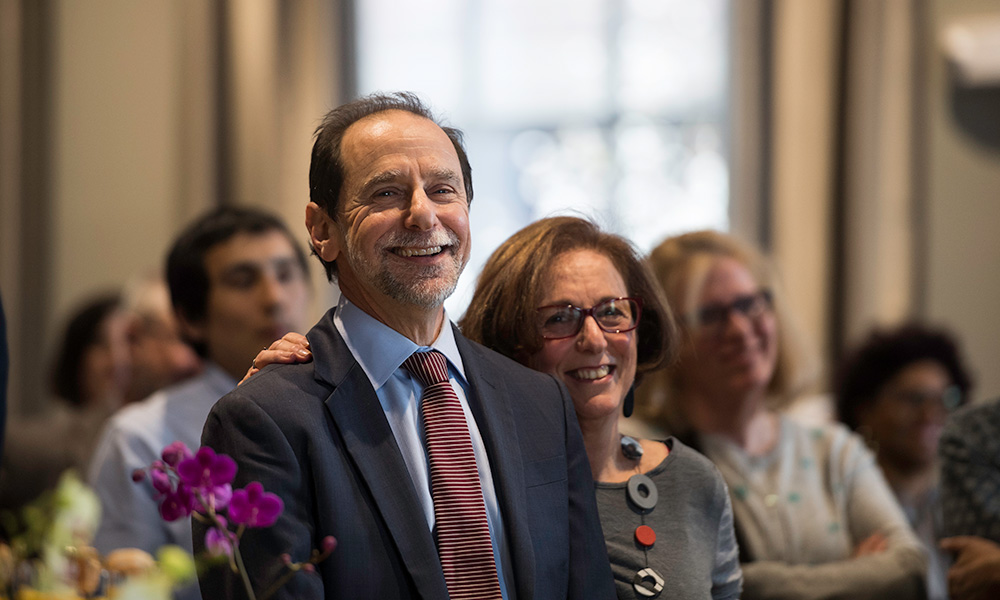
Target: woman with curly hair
column 896, row 389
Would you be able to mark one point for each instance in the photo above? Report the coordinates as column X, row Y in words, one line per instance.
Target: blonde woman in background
column 813, row 514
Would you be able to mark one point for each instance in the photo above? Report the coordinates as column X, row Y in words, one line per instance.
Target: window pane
column 614, row 110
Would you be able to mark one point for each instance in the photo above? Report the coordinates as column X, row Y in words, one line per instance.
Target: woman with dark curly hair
column 896, row 389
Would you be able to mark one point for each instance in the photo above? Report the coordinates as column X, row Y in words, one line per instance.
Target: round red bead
column 645, row 535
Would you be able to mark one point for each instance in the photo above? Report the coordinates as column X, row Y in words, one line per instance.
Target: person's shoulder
column 694, row 484
column 830, row 447
column 133, row 433
column 152, row 408
column 829, row 434
column 691, row 464
column 292, row 390
column 300, row 377
column 687, row 455
column 975, row 416
column 140, row 416
column 972, row 431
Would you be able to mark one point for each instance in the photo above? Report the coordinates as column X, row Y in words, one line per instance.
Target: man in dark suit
column 345, row 440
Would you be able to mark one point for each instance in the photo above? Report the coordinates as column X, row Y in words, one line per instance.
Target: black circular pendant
column 647, row 583
column 642, row 492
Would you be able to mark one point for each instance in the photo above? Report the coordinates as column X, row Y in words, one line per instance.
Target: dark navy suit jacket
column 316, row 435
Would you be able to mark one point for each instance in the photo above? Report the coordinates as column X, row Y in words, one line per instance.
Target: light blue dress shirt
column 132, row 439
column 380, row 351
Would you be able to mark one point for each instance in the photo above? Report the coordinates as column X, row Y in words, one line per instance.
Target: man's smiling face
column 403, row 214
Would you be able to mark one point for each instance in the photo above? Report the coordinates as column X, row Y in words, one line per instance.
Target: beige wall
column 805, row 63
column 115, row 143
column 921, row 187
column 962, row 284
column 134, row 149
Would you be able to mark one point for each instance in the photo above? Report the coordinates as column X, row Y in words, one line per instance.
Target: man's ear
column 323, row 233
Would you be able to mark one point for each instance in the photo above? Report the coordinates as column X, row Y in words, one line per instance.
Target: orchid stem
column 277, row 585
column 243, row 572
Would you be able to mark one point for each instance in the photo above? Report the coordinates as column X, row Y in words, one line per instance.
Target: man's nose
column 271, row 292
column 421, row 214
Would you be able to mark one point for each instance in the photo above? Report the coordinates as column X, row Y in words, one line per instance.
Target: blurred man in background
column 237, row 280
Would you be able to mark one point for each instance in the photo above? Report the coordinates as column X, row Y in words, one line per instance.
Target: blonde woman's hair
column 681, row 264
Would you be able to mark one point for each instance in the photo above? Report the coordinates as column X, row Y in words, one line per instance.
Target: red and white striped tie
column 463, row 533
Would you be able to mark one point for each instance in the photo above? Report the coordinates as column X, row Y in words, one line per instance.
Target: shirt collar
column 380, row 349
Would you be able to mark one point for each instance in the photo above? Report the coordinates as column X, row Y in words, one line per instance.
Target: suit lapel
column 369, row 441
column 490, row 404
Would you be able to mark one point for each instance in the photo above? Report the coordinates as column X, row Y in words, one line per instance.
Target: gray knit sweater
column 695, row 550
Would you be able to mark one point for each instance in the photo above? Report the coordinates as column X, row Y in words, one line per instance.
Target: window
column 614, row 110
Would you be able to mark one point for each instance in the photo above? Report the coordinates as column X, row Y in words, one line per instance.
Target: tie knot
column 429, row 367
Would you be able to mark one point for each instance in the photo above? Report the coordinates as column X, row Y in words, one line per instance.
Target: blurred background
column 857, row 141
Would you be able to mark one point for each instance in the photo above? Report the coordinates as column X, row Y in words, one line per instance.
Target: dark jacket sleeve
column 590, row 572
column 240, row 428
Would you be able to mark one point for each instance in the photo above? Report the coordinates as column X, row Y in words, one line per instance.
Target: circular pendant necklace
column 641, row 496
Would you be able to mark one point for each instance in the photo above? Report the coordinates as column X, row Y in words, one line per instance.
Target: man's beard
column 424, row 286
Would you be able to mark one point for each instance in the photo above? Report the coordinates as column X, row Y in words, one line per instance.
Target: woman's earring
column 629, row 403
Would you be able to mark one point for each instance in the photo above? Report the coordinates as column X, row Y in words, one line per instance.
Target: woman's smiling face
column 738, row 355
column 597, row 367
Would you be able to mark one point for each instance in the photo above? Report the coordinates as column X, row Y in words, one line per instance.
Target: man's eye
column 240, row 280
column 287, row 273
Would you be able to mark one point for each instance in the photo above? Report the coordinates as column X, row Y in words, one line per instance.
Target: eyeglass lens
column 613, row 316
column 948, row 400
column 750, row 306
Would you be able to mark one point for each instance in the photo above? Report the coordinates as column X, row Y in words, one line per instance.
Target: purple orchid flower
column 209, row 475
column 176, row 504
column 219, row 540
column 185, row 483
column 254, row 507
column 161, row 481
column 174, row 453
column 215, row 500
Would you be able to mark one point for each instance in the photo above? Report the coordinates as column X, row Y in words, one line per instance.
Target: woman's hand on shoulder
column 291, row 348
